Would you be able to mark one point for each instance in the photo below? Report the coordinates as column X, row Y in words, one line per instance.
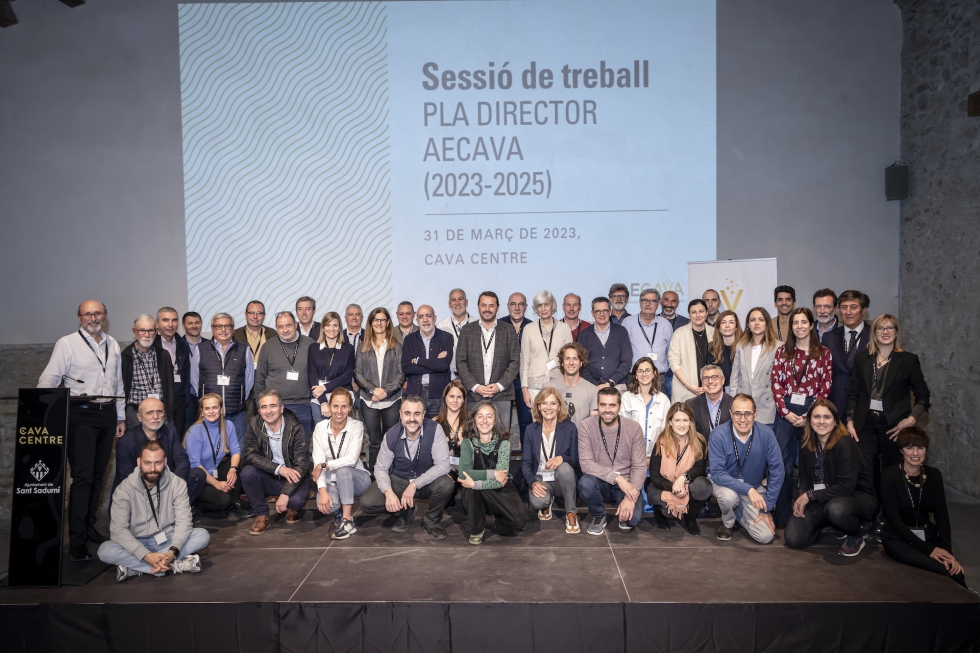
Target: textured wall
column 940, row 258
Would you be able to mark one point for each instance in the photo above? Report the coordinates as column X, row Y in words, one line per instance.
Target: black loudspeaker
column 7, row 15
column 897, row 182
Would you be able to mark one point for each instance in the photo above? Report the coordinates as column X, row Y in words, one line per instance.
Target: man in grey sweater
column 282, row 366
column 151, row 531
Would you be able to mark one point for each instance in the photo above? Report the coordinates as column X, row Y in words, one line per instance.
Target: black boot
column 660, row 519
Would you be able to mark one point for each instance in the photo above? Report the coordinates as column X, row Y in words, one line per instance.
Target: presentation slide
column 377, row 152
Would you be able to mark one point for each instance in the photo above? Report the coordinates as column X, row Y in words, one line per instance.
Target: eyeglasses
column 618, row 296
column 517, row 305
column 649, row 301
column 742, row 415
column 601, row 311
column 712, row 377
column 89, row 316
column 255, row 313
column 886, row 329
column 281, row 313
column 379, row 320
column 146, row 332
column 221, row 327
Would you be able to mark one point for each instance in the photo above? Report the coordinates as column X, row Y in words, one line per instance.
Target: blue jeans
column 667, row 382
column 304, row 414
column 788, row 438
column 258, row 485
column 113, row 553
column 595, row 492
column 238, row 419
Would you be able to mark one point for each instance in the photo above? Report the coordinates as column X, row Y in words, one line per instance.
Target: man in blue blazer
column 427, row 355
column 846, row 341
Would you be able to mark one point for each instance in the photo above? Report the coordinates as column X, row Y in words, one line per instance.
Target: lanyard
column 150, row 499
column 649, row 340
column 340, row 447
column 916, row 507
column 798, row 377
column 214, row 450
column 551, row 336
column 295, row 352
column 874, row 372
column 717, row 420
column 418, row 454
column 619, row 429
column 458, row 328
column 697, row 349
column 554, row 443
column 681, row 454
column 217, row 355
column 94, row 351
column 487, row 345
column 139, row 359
column 747, row 450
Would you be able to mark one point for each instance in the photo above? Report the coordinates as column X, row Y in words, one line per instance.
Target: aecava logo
column 661, row 287
column 731, row 294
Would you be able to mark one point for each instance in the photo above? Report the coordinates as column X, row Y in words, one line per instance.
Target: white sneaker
column 189, row 564
column 122, row 573
column 545, row 515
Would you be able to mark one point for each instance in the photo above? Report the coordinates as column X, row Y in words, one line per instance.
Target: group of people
column 654, row 413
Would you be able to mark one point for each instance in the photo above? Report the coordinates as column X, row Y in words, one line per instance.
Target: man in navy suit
column 426, row 357
column 846, row 341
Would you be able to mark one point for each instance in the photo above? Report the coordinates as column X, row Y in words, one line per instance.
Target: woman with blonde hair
column 677, row 485
column 550, row 458
column 378, row 372
column 212, row 444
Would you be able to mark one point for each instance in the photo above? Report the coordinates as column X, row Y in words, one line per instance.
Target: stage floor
column 299, row 562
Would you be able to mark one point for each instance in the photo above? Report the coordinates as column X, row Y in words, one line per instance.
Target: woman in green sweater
column 484, row 460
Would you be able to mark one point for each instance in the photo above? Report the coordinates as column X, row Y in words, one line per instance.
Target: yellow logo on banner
column 730, row 296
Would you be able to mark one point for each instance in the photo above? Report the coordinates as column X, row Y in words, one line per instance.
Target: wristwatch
column 175, row 550
column 235, row 467
column 323, row 465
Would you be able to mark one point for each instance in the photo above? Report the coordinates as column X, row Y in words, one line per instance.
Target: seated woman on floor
column 836, row 487
column 484, row 460
column 677, row 484
column 910, row 492
column 212, row 445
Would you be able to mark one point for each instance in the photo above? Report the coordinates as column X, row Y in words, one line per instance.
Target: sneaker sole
column 335, row 536
column 573, row 531
column 851, row 555
column 542, row 518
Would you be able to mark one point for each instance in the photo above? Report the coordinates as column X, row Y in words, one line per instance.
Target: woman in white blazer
column 755, row 352
column 644, row 403
column 685, row 351
column 540, row 344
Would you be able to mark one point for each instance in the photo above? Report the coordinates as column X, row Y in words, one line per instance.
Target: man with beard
column 713, row 302
column 88, row 363
column 152, row 427
column 668, row 310
column 825, row 311
column 619, row 296
column 488, row 357
column 413, row 463
column 147, row 371
column 613, row 458
column 151, row 531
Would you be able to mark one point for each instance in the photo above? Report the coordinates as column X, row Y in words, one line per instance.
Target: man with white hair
column 147, row 371
column 458, row 317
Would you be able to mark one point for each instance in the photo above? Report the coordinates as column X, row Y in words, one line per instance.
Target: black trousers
column 91, row 432
column 377, row 421
column 180, row 419
column 905, row 553
column 212, row 499
column 843, row 513
column 504, row 503
column 874, row 443
column 438, row 493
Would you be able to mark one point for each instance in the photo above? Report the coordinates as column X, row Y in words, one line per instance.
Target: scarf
column 671, row 470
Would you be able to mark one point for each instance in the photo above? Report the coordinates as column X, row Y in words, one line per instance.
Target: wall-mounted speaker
column 896, row 182
column 7, row 15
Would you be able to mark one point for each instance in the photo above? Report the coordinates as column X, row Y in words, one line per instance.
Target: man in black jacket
column 147, row 371
column 846, row 341
column 180, row 356
column 276, row 461
column 714, row 407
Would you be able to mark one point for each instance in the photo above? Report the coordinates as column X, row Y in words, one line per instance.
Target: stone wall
column 940, row 250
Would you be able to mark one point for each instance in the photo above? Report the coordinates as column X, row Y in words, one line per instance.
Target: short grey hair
column 458, row 290
column 542, row 298
column 167, row 309
column 144, row 316
column 357, row 306
column 708, row 368
column 222, row 316
column 650, row 291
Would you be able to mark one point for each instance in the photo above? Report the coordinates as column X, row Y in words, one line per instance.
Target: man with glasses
column 405, row 315
column 426, row 356
column 180, row 356
column 619, row 296
column 741, row 454
column 713, row 408
column 88, row 362
column 282, row 365
column 650, row 334
column 572, row 306
column 254, row 334
column 610, row 353
column 516, row 307
column 458, row 317
column 147, row 371
column 226, row 368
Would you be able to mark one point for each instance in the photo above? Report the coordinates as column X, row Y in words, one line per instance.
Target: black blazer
column 506, row 359
column 314, row 334
column 165, row 369
column 844, row 471
column 182, row 388
column 566, row 446
column 702, row 418
column 841, row 371
column 295, row 453
column 128, row 450
column 902, row 377
column 437, row 368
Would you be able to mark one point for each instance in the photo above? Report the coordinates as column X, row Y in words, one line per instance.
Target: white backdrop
column 743, row 285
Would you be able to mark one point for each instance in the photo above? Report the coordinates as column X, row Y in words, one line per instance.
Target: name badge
column 176, row 378
column 224, row 380
column 653, row 356
column 798, row 399
column 454, row 460
column 160, row 537
column 548, row 476
column 292, row 376
column 552, row 365
column 920, row 533
column 323, row 382
column 153, row 395
column 255, row 365
column 214, row 473
column 819, row 486
column 332, row 477
column 105, row 382
column 728, row 389
column 876, row 405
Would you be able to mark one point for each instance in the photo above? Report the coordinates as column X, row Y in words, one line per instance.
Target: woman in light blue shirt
column 212, row 445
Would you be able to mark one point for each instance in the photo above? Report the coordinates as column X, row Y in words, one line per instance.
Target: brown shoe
column 292, row 516
column 261, row 523
column 571, row 524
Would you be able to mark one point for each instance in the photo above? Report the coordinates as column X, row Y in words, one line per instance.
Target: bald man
column 713, row 301
column 151, row 426
column 88, row 363
column 426, row 358
column 147, row 371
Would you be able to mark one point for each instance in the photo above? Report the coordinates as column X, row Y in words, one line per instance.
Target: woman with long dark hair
column 755, row 353
column 379, row 377
column 728, row 330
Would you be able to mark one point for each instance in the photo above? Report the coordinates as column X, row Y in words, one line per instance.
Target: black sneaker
column 405, row 518
column 723, row 533
column 598, row 525
column 346, row 529
column 660, row 519
column 625, row 527
column 435, row 532
column 79, row 553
